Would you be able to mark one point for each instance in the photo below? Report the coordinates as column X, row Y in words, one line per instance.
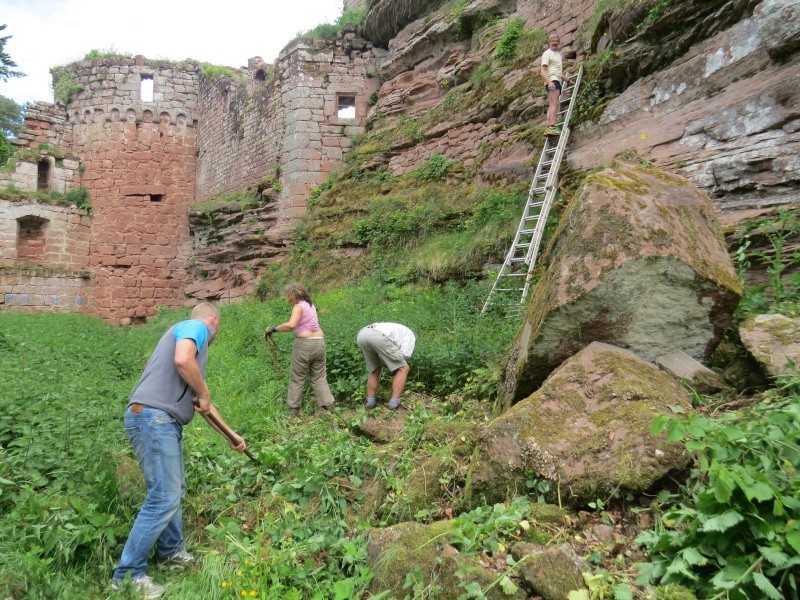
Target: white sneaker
column 146, row 586
column 179, row 560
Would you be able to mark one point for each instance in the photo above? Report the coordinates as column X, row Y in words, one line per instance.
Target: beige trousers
column 308, row 358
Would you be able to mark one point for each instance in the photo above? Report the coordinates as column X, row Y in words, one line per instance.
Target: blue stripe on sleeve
column 191, row 329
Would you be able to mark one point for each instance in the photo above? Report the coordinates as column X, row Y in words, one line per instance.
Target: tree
column 6, row 64
column 10, row 112
column 10, row 116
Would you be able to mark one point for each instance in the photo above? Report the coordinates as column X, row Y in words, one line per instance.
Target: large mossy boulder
column 411, row 552
column 586, row 431
column 639, row 262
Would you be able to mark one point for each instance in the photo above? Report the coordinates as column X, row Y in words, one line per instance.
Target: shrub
column 210, row 71
column 506, row 48
column 736, row 531
column 353, row 16
column 64, row 86
column 80, row 198
column 107, row 53
column 324, row 31
column 768, row 243
column 435, row 168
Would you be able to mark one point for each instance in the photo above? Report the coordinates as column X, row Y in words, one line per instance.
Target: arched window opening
column 261, row 75
column 43, row 178
column 31, row 238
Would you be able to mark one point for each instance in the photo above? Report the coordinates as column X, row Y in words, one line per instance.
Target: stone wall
column 35, row 234
column 146, row 160
column 37, row 289
column 64, row 234
column 239, row 131
column 285, row 116
column 317, row 77
column 45, row 123
column 139, row 159
column 55, row 176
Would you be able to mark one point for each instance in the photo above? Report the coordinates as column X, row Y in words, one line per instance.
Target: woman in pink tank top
column 308, row 351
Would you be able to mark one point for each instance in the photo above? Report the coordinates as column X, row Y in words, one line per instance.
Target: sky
column 48, row 33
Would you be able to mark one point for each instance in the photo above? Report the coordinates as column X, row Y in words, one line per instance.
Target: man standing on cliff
column 551, row 71
column 171, row 389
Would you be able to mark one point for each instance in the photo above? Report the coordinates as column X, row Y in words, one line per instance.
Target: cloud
column 48, row 33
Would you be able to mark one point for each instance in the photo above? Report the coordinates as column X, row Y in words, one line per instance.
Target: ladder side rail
column 551, row 194
column 540, row 217
column 552, row 177
column 552, row 188
column 526, row 215
column 538, row 233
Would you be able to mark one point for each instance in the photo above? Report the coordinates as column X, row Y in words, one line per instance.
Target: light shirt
column 308, row 318
column 401, row 335
column 552, row 60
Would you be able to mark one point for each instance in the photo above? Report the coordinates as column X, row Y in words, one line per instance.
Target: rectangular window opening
column 147, row 88
column 346, row 107
column 156, row 197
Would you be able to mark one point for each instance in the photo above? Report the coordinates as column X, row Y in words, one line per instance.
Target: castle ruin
column 147, row 139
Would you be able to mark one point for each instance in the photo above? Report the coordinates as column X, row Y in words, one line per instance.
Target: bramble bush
column 734, row 532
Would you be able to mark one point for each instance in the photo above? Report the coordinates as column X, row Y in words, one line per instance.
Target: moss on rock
column 587, row 430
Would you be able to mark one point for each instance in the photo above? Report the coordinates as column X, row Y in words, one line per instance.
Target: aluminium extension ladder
column 514, row 279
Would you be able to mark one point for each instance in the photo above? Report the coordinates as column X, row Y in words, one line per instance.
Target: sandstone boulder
column 423, row 553
column 552, row 572
column 639, row 262
column 386, row 18
column 586, row 431
column 774, row 341
column 693, row 373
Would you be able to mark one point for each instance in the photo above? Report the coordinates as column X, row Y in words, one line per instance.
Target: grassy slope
column 69, row 487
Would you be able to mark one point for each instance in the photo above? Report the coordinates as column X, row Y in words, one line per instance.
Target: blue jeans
column 156, row 440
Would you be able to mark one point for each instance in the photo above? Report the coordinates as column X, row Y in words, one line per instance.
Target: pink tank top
column 308, row 319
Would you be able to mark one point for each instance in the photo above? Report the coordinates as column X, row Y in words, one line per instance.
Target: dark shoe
column 328, row 407
column 370, row 404
column 394, row 404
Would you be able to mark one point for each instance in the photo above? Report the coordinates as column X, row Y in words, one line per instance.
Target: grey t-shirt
column 161, row 385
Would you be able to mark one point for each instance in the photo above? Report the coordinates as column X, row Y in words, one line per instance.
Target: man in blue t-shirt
column 171, row 389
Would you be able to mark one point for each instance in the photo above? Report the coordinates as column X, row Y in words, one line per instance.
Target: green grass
column 292, row 526
column 69, row 486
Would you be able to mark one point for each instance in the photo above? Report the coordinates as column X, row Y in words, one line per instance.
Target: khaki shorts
column 379, row 350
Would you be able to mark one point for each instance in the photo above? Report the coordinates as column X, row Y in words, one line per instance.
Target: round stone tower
column 134, row 129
